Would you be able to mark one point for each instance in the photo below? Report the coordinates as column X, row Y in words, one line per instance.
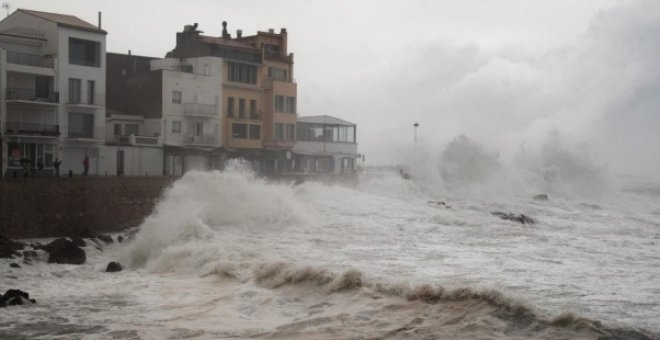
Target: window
column 117, row 130
column 278, row 103
column 277, row 73
column 176, row 97
column 132, row 129
column 253, row 109
column 91, row 89
column 74, row 91
column 81, row 125
column 279, row 131
column 291, row 104
column 271, row 49
column 255, row 131
column 241, row 108
column 230, row 106
column 290, row 131
column 198, row 129
column 84, row 52
column 239, row 130
column 176, row 126
column 242, row 73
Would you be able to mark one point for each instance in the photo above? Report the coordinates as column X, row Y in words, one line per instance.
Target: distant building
column 325, row 144
column 52, row 81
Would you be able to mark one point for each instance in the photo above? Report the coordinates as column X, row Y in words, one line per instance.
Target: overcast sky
column 505, row 73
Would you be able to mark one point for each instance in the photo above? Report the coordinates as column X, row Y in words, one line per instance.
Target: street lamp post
column 416, row 125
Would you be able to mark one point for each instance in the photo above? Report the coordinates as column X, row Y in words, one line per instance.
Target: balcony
column 94, row 102
column 32, row 129
column 281, row 143
column 192, row 139
column 29, row 59
column 204, row 110
column 135, row 140
column 32, row 95
column 86, row 134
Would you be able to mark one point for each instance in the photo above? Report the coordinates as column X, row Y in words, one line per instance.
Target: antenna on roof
column 6, row 6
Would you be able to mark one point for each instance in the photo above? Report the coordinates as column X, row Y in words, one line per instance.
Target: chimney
column 225, row 35
column 271, row 30
column 129, row 52
column 239, row 34
column 284, row 41
column 99, row 19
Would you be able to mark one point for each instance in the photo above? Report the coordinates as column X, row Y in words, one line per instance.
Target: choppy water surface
column 228, row 256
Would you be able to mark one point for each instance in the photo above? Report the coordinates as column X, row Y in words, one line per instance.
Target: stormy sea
column 227, row 255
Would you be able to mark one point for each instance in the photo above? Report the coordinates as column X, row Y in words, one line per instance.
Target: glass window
column 290, row 132
column 279, row 131
column 199, row 129
column 176, row 97
column 255, row 131
column 117, row 129
column 84, row 52
column 242, row 73
column 91, row 91
column 74, row 91
column 277, row 73
column 350, row 134
column 176, row 126
column 241, row 108
column 239, row 130
column 291, row 104
column 132, row 129
column 230, row 106
column 253, row 109
column 278, row 104
column 81, row 125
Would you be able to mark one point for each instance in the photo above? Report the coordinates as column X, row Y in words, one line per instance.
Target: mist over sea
column 229, row 255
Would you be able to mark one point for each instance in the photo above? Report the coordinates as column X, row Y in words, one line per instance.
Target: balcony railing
column 32, row 129
column 97, row 100
column 196, row 109
column 29, row 59
column 32, row 95
column 96, row 133
column 201, row 140
column 135, row 140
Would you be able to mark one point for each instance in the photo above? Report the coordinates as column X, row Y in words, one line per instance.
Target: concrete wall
column 68, row 206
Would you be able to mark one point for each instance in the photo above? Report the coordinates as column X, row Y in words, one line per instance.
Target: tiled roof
column 65, row 20
column 324, row 119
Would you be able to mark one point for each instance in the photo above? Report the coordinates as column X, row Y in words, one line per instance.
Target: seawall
column 49, row 207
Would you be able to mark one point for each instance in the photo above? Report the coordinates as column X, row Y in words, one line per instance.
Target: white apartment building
column 52, row 70
column 172, row 103
column 325, row 144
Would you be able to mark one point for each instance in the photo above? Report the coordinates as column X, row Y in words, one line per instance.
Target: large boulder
column 520, row 218
column 15, row 297
column 63, row 251
column 9, row 248
column 113, row 267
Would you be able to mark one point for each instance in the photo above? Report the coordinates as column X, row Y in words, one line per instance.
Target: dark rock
column 9, row 248
column 105, row 238
column 523, row 219
column 78, row 242
column 64, row 251
column 120, row 239
column 541, row 197
column 15, row 297
column 15, row 265
column 113, row 267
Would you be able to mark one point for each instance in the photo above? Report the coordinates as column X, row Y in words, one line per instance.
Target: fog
column 509, row 75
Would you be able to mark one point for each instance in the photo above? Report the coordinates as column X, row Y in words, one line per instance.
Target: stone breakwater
column 76, row 207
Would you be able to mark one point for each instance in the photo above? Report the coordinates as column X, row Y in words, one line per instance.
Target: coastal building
column 174, row 106
column 52, row 81
column 258, row 96
column 325, row 144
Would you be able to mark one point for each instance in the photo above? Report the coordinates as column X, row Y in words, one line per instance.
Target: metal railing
column 29, row 59
column 201, row 140
column 13, row 128
column 99, row 99
column 200, row 109
column 134, row 140
column 97, row 132
column 13, row 93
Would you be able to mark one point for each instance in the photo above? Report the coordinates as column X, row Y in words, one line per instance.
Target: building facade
column 326, row 144
column 53, row 92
